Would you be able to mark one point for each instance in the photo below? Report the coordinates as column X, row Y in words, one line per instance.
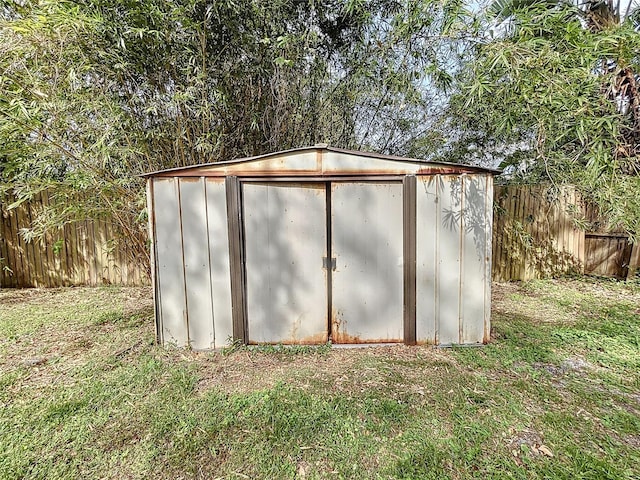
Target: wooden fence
column 607, row 253
column 540, row 232
column 91, row 252
column 535, row 235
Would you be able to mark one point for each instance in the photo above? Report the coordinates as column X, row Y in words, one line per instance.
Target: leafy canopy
column 555, row 98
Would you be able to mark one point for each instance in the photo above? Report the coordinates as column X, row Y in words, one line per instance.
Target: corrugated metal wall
column 453, row 258
column 191, row 249
column 289, row 231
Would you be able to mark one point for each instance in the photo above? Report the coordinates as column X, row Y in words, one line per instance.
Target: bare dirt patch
column 526, row 441
column 246, row 371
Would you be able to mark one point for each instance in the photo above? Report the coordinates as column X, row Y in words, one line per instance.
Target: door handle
column 329, row 263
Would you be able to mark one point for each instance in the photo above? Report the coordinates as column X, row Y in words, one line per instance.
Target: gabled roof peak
column 320, row 160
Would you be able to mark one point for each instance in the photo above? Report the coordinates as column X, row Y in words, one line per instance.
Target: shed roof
column 320, row 160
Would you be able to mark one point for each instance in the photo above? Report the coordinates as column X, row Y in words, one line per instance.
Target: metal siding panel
column 285, row 241
column 170, row 269
column 236, row 259
column 474, row 252
column 153, row 260
column 219, row 261
column 427, row 231
column 196, row 263
column 488, row 256
column 367, row 242
column 449, row 253
column 409, row 200
column 342, row 163
column 291, row 163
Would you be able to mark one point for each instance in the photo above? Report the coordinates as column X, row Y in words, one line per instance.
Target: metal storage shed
column 321, row 244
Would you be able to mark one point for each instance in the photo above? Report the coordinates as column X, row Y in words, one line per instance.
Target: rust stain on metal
column 442, row 170
column 338, row 335
column 316, row 339
column 318, row 170
column 345, row 338
column 225, row 172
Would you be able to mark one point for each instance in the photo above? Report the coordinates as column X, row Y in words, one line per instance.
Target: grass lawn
column 85, row 393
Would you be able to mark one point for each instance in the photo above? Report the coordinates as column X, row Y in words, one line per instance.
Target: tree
column 554, row 95
column 95, row 92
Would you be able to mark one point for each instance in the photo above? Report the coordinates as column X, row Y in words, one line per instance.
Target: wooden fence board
column 634, row 262
column 15, row 237
column 536, row 235
column 6, row 276
column 81, row 253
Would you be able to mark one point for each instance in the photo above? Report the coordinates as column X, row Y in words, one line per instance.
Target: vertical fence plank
column 61, row 249
column 526, row 231
column 6, row 276
column 499, row 233
column 536, row 247
column 60, row 244
column 566, row 225
column 44, row 245
column 14, row 254
column 22, row 251
column 36, row 259
column 111, row 252
column 101, row 251
column 15, row 228
column 513, row 247
column 634, row 263
column 94, row 250
column 131, row 271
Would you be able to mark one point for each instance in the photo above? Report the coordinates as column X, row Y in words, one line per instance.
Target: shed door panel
column 285, row 241
column 367, row 243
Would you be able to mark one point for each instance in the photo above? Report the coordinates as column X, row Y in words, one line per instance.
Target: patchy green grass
column 85, row 393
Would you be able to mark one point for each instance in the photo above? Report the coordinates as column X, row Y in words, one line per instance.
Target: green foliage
column 96, row 92
column 558, row 102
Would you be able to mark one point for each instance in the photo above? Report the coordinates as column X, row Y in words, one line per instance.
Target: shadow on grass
column 131, row 319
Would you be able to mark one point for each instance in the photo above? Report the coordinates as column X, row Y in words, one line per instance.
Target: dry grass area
column 86, row 393
column 246, row 371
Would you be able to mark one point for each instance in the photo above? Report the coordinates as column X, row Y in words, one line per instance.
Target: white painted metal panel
column 426, row 271
column 474, row 276
column 290, row 163
column 336, row 162
column 193, row 210
column 219, row 261
column 367, row 242
column 488, row 252
column 169, row 267
column 153, row 260
column 449, row 253
column 285, row 241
